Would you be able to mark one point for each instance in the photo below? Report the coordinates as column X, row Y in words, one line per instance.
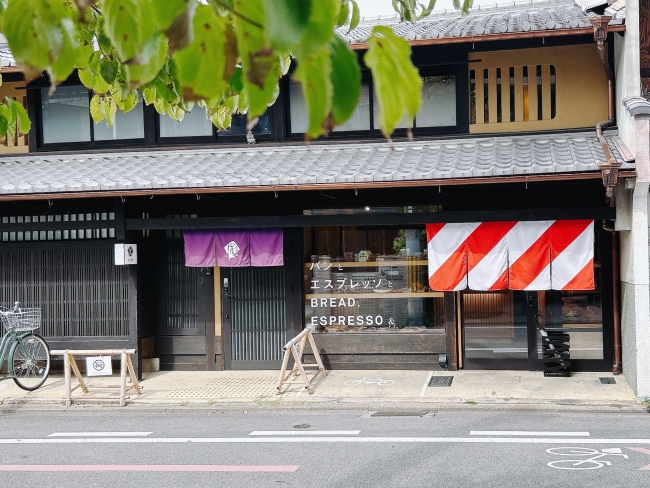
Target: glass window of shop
column 496, row 324
column 369, row 279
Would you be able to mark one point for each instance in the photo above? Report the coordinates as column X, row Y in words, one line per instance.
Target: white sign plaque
column 98, row 366
column 126, row 254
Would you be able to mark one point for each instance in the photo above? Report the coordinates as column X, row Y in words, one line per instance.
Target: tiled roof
column 294, row 166
column 6, row 57
column 511, row 17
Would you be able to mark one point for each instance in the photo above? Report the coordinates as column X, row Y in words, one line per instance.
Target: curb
column 16, row 405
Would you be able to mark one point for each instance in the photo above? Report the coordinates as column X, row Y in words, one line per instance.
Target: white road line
column 100, row 434
column 305, row 432
column 342, row 440
column 426, row 384
column 528, row 433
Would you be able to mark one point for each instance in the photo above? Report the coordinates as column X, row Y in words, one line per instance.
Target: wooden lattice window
column 512, row 94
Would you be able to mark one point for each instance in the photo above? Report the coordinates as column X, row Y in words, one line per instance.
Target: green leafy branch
column 226, row 55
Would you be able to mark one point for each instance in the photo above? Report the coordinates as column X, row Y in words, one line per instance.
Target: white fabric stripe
column 446, row 242
column 491, row 267
column 542, row 281
column 523, row 235
column 573, row 259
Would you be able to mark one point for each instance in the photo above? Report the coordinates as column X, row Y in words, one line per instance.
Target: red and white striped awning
column 542, row 255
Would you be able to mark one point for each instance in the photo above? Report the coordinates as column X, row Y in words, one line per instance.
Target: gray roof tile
column 510, row 17
column 305, row 165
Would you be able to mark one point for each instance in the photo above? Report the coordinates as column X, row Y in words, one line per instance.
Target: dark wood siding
column 82, row 293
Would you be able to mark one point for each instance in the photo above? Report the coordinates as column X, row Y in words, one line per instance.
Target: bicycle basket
column 26, row 319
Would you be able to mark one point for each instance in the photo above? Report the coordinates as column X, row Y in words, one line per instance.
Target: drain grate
column 607, row 381
column 399, row 414
column 441, row 380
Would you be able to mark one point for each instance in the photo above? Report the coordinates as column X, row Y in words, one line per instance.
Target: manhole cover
column 441, row 380
column 607, row 381
column 301, row 426
column 399, row 414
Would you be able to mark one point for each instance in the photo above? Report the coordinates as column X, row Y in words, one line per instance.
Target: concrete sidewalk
column 351, row 390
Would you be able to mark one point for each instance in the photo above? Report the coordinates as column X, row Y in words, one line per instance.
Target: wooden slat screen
column 81, row 292
column 258, row 308
column 181, row 301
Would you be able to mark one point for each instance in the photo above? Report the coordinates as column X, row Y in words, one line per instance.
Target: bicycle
column 28, row 355
column 590, row 463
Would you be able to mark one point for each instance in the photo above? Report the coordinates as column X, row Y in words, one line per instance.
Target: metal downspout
column 609, row 168
column 610, row 177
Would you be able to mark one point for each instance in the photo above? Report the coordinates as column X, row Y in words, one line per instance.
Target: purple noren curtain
column 266, row 247
column 199, row 249
column 233, row 248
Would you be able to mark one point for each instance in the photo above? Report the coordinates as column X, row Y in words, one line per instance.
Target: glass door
column 499, row 330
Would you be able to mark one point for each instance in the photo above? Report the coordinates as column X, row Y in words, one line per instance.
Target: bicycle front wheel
column 575, row 464
column 30, row 361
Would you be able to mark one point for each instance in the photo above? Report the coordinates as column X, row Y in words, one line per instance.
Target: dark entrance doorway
column 254, row 317
column 185, row 298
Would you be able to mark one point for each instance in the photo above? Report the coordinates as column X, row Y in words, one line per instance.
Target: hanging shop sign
column 126, row 254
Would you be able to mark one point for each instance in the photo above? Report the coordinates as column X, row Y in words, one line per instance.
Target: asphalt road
column 96, row 448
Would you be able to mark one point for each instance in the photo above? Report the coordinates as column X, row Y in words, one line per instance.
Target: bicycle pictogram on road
column 593, row 462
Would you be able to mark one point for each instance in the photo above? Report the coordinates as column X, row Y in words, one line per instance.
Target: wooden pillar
column 451, row 330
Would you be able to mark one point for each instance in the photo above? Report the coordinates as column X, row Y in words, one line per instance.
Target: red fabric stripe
column 452, row 272
column 531, row 263
column 584, row 280
column 484, row 239
column 564, row 232
column 501, row 283
column 432, row 230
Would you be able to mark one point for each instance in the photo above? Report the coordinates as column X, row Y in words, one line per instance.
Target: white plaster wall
column 627, row 71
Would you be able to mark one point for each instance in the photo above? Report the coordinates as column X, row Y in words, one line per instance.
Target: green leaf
column 5, row 115
column 286, row 21
column 260, row 66
column 167, row 11
column 346, row 80
column 396, row 81
column 175, row 18
column 98, row 108
column 19, row 115
column 138, row 75
column 7, row 121
column 87, row 77
column 320, row 29
column 108, row 70
column 356, row 16
column 237, row 80
column 316, row 84
column 111, row 110
column 130, row 25
column 149, row 94
column 201, row 65
column 37, row 32
column 344, row 13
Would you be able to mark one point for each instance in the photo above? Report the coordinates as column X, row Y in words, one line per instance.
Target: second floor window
column 66, row 118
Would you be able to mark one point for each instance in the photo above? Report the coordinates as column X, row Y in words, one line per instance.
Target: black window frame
column 151, row 123
column 458, row 70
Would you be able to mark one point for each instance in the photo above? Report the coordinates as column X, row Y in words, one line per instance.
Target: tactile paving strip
column 231, row 386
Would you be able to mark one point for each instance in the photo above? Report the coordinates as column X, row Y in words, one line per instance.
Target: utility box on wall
column 126, row 254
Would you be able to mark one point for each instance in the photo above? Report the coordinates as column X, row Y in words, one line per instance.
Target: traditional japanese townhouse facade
column 506, row 136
